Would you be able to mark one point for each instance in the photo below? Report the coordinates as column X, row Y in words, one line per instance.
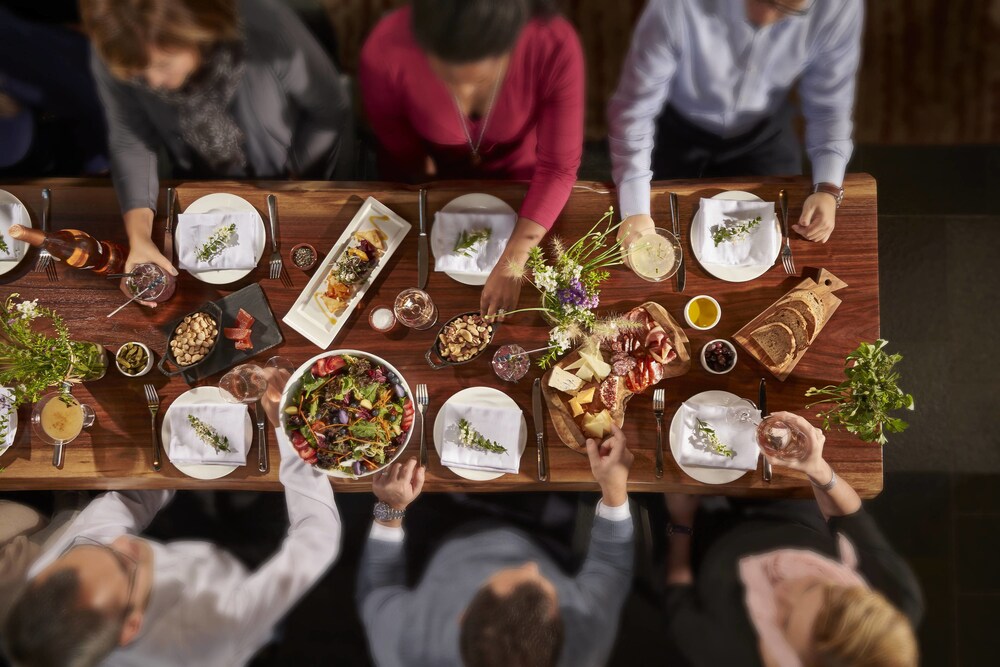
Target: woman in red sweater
column 480, row 89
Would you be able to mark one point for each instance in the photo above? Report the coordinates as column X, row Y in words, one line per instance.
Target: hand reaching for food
column 610, row 461
column 399, row 484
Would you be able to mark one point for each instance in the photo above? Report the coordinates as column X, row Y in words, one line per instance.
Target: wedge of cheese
column 597, row 425
column 585, row 396
column 575, row 365
column 585, row 373
column 597, row 364
column 563, row 381
column 574, row 405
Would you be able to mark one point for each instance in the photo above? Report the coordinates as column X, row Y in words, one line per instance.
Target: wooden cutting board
column 559, row 411
column 823, row 287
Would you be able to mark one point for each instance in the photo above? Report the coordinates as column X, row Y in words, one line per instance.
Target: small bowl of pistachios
column 134, row 359
column 462, row 339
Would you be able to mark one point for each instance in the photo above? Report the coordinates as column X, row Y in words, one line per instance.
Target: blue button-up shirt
column 724, row 74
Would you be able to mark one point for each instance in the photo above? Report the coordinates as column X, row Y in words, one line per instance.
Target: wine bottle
column 77, row 249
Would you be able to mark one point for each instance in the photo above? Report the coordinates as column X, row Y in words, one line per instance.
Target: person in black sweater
column 788, row 583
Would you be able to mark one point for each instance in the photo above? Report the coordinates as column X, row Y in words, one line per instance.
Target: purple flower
column 576, row 295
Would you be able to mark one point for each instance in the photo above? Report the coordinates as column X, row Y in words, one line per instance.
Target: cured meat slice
column 622, row 363
column 236, row 333
column 244, row 320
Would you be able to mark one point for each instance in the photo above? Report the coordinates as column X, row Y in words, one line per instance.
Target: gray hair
column 49, row 627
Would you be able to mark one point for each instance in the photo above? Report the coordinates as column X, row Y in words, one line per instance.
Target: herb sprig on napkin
column 468, row 240
column 3, row 244
column 216, row 243
column 714, row 444
column 733, row 230
column 473, row 439
column 209, row 435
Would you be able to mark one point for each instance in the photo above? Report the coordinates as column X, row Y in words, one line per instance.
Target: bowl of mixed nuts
column 192, row 339
column 134, row 359
column 462, row 339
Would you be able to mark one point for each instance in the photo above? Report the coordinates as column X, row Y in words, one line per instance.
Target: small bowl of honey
column 702, row 312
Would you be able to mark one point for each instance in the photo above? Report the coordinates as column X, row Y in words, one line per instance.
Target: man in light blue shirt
column 710, row 80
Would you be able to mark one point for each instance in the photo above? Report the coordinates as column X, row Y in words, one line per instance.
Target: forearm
column 841, row 500
column 526, row 235
column 138, row 225
column 679, row 570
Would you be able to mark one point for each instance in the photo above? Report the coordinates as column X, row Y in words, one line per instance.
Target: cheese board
column 588, row 389
column 783, row 332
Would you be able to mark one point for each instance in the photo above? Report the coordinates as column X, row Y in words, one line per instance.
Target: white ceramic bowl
column 296, row 378
column 687, row 317
column 145, row 369
column 704, row 364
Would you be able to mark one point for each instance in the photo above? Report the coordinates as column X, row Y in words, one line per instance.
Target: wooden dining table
column 115, row 453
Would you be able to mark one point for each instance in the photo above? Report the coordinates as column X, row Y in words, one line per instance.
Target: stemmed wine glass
column 775, row 436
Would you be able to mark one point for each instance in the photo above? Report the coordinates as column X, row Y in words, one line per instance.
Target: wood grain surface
column 115, row 452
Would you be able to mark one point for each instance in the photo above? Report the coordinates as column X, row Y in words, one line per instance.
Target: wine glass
column 776, row 437
column 415, row 309
column 244, row 384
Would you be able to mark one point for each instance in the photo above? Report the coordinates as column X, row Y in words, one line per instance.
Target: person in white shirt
column 490, row 597
column 704, row 92
column 103, row 595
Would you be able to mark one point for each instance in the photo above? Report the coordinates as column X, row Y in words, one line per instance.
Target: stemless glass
column 511, row 363
column 415, row 309
column 655, row 256
column 776, row 437
column 244, row 384
column 144, row 275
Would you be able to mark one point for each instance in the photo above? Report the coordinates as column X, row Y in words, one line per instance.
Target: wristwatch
column 384, row 512
column 673, row 528
column 830, row 189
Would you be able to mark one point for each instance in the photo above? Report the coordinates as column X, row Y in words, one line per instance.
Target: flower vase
column 89, row 361
column 548, row 304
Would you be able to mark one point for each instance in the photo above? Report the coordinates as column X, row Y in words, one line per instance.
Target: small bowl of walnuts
column 192, row 339
column 462, row 339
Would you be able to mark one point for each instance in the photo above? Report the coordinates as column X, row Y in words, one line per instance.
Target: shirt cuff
column 829, row 168
column 619, row 513
column 386, row 533
column 633, row 197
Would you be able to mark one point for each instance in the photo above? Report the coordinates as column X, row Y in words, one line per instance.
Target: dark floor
column 938, row 235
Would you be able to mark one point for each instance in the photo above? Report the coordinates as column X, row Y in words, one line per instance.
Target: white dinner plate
column 200, row 395
column 703, row 475
column 442, row 241
column 223, row 202
column 483, row 396
column 11, row 425
column 733, row 274
column 20, row 247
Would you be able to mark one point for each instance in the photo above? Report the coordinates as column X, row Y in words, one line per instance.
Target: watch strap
column 677, row 529
column 830, row 189
column 383, row 512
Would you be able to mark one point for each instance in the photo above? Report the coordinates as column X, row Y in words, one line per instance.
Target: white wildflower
column 28, row 309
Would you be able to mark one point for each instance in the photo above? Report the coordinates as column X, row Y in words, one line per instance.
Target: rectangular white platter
column 307, row 315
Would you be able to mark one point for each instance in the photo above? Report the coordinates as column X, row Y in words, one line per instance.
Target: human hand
column 610, row 462
column 144, row 251
column 501, row 292
column 634, row 227
column 813, row 465
column 399, row 484
column 682, row 508
column 819, row 213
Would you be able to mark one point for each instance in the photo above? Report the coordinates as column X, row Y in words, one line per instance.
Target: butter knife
column 681, row 274
column 422, row 242
column 258, row 412
column 168, row 230
column 539, row 415
column 762, row 404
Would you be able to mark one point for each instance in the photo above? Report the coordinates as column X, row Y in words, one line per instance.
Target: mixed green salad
column 350, row 414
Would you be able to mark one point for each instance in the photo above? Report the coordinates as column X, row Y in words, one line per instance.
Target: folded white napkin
column 9, row 215
column 757, row 249
column 228, row 420
column 483, row 256
column 740, row 437
column 194, row 229
column 502, row 425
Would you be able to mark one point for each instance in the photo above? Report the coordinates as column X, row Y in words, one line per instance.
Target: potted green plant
column 862, row 403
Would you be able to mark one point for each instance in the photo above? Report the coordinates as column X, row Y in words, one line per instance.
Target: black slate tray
column 265, row 333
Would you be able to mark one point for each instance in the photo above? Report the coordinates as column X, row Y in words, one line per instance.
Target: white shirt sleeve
column 642, row 91
column 386, row 533
column 618, row 513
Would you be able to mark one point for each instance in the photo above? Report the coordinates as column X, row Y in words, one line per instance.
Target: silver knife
column 536, row 409
column 422, row 242
column 168, row 230
column 258, row 412
column 762, row 404
column 681, row 274
column 783, row 201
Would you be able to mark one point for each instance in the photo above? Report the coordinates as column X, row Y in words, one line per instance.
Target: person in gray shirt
column 227, row 88
column 489, row 595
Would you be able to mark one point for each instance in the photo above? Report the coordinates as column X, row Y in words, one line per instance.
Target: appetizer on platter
column 356, row 263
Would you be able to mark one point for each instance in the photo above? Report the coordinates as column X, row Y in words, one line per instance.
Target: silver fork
column 786, row 252
column 659, row 399
column 272, row 214
column 153, row 403
column 423, row 400
column 44, row 260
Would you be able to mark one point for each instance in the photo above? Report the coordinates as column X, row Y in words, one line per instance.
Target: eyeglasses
column 789, row 7
column 128, row 565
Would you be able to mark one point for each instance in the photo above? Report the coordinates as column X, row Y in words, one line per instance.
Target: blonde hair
column 857, row 627
column 124, row 30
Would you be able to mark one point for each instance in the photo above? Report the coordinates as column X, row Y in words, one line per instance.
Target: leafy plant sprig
column 209, row 435
column 468, row 240
column 714, row 444
column 730, row 232
column 3, row 244
column 216, row 243
column 473, row 439
column 861, row 404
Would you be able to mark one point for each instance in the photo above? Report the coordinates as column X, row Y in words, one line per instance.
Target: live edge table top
column 115, row 452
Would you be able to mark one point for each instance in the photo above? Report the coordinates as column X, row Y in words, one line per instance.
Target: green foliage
column 473, row 439
column 216, row 243
column 714, row 444
column 737, row 231
column 209, row 435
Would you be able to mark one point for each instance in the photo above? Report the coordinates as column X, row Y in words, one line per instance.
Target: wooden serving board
column 823, row 287
column 559, row 411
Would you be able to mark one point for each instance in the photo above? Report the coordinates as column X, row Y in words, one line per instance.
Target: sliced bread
column 813, row 302
column 807, row 313
column 795, row 321
column 777, row 341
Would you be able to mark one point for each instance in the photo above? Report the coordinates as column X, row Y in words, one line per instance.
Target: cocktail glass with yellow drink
column 654, row 256
column 57, row 419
